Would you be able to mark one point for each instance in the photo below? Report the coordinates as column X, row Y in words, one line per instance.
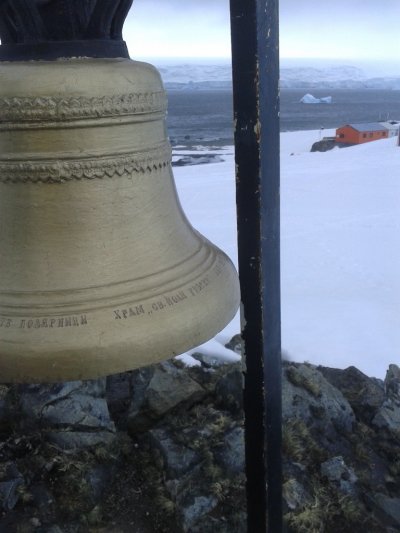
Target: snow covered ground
column 340, row 248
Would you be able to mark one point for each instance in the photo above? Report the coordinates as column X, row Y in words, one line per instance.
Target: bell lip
column 106, row 345
column 53, row 50
column 102, row 362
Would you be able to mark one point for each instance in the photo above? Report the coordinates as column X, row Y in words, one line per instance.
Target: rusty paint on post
column 255, row 62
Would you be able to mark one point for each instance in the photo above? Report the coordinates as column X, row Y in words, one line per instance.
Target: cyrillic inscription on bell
column 100, row 271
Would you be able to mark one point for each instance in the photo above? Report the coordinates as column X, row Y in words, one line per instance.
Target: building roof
column 368, row 126
column 391, row 125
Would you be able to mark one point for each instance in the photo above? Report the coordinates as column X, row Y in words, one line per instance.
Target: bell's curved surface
column 100, row 271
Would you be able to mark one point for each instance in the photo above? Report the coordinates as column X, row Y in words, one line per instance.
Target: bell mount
column 52, row 29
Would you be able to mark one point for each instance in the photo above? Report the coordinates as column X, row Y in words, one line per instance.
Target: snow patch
column 340, row 248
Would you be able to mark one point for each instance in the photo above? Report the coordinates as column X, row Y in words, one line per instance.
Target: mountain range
column 196, row 76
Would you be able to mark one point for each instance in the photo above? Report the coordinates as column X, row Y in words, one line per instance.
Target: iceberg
column 310, row 99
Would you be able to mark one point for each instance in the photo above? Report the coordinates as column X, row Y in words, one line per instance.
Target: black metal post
column 255, row 60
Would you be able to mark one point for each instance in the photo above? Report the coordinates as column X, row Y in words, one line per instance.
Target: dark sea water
column 200, row 117
column 205, row 117
column 348, row 106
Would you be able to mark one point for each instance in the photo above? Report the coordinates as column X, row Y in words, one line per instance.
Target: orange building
column 361, row 133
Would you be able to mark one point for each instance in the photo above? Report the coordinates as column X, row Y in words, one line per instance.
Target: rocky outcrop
column 323, row 146
column 73, row 415
column 194, row 426
column 341, row 453
column 162, row 449
column 166, row 389
column 365, row 395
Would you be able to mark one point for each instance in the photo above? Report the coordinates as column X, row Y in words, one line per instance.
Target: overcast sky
column 360, row 29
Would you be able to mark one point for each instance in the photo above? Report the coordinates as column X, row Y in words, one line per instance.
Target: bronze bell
column 100, row 271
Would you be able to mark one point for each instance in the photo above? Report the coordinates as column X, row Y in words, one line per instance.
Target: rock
column 336, row 470
column 77, row 440
column 363, row 394
column 10, row 481
column 308, row 396
column 35, row 522
column 210, row 524
column 43, row 499
column 388, row 417
column 389, row 507
column 392, row 383
column 231, row 456
column 295, row 495
column 208, row 361
column 9, row 495
column 168, row 387
column 324, row 145
column 72, row 415
column 193, row 499
column 203, row 464
column 195, row 509
column 235, row 344
column 178, row 459
column 34, row 398
column 78, row 411
column 191, row 419
column 119, row 396
column 139, row 384
column 229, row 389
column 99, row 477
column 3, row 401
column 196, row 159
column 95, row 515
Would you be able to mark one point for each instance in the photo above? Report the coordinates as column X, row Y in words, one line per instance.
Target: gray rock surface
column 10, row 481
column 336, row 470
column 390, row 507
column 178, row 458
column 235, row 344
column 9, row 495
column 229, row 389
column 34, row 398
column 388, row 417
column 164, row 390
column 196, row 509
column 295, row 495
column 72, row 415
column 3, row 402
column 365, row 395
column 231, row 453
column 392, row 382
column 208, row 361
column 308, row 396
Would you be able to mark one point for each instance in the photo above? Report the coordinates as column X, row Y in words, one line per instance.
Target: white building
column 392, row 126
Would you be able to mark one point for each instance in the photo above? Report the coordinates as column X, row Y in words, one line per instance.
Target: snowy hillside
column 340, row 248
column 195, row 72
column 337, row 78
column 332, row 77
column 196, row 76
column 201, row 76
